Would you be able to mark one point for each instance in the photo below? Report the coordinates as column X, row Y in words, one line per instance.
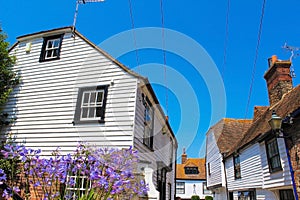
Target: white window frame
column 91, row 105
column 82, row 188
column 55, row 42
column 84, row 107
column 53, row 48
column 180, row 186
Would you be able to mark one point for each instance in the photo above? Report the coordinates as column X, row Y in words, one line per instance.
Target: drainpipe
column 226, row 186
column 291, row 169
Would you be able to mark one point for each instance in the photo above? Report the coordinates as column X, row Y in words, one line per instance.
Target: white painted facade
column 193, row 187
column 215, row 173
column 255, row 173
column 44, row 104
column 254, row 168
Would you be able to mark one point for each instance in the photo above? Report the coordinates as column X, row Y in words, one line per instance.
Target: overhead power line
column 164, row 53
column 256, row 55
column 134, row 36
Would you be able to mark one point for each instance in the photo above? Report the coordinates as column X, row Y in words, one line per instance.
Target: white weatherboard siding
column 164, row 148
column 260, row 195
column 44, row 105
column 250, row 165
column 45, row 101
column 280, row 178
column 214, row 158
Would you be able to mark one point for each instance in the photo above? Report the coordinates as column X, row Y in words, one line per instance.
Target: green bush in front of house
column 195, row 197
column 208, row 198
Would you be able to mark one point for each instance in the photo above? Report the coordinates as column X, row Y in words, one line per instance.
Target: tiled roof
column 191, row 162
column 228, row 132
column 289, row 103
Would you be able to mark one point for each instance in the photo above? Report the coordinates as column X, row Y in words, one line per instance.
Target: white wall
column 45, row 102
column 251, row 171
column 214, row 158
column 164, row 145
column 280, row 178
column 189, row 189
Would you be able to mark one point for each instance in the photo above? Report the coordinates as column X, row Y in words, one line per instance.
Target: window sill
column 272, row 171
column 46, row 60
column 88, row 122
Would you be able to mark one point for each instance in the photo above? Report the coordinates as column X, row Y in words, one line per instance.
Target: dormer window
column 51, row 48
column 191, row 170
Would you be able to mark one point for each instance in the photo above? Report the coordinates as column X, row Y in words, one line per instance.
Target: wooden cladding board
column 45, row 101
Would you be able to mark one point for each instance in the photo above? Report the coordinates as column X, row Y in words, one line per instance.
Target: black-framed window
column 191, row 170
column 273, row 155
column 51, row 48
column 247, row 195
column 208, row 169
column 286, row 194
column 237, row 166
column 180, row 187
column 148, row 122
column 91, row 103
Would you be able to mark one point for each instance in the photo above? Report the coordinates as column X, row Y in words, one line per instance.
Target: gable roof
column 72, row 29
column 191, row 162
column 228, row 132
column 289, row 104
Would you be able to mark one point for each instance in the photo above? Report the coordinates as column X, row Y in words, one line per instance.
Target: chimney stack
column 183, row 157
column 278, row 78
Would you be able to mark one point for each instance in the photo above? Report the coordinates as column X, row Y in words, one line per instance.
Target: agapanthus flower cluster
column 88, row 173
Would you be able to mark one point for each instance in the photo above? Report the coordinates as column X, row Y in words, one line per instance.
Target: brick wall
column 293, row 144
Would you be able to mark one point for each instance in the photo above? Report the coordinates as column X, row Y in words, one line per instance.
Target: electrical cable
column 164, row 53
column 134, row 36
column 256, row 56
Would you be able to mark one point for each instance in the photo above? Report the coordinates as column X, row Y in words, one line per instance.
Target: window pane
column 93, row 98
column 49, row 44
column 84, row 112
column 100, row 98
column 56, row 43
column 86, row 97
column 55, row 53
column 92, row 112
column 48, row 54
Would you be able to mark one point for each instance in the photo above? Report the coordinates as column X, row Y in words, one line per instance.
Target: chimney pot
column 183, row 157
column 278, row 78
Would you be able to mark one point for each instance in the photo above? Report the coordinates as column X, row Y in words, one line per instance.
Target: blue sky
column 202, row 21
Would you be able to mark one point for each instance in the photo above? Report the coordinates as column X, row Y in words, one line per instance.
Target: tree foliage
column 8, row 78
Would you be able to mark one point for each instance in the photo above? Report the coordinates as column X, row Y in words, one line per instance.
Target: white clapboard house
column 246, row 159
column 72, row 91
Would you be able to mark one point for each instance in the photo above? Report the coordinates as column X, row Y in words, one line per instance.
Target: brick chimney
column 183, row 157
column 279, row 80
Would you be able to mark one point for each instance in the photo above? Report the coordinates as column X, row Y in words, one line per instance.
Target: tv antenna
column 77, row 5
column 294, row 54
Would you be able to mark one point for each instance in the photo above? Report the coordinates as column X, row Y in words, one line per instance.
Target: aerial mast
column 76, row 10
column 294, row 54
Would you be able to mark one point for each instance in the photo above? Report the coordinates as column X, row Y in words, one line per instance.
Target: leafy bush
column 209, row 198
column 195, row 197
